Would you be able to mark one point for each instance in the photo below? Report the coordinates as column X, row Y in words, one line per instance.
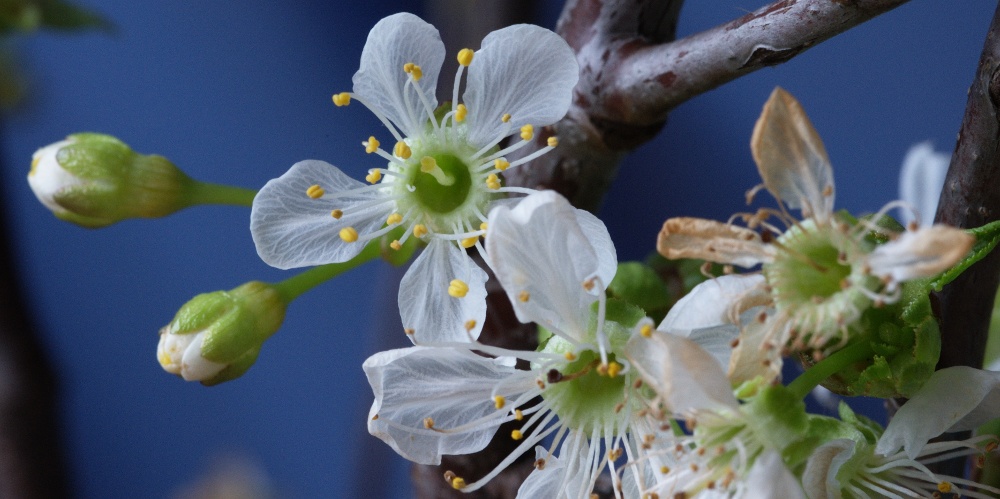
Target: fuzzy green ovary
column 434, row 196
column 589, row 401
column 813, row 271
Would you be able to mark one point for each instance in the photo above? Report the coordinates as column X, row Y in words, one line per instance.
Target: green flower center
column 586, row 401
column 434, row 195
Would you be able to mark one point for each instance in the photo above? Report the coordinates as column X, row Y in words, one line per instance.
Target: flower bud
column 95, row 180
column 216, row 337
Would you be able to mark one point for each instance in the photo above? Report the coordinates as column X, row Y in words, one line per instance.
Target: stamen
column 374, row 176
column 349, row 234
column 460, row 113
column 499, row 401
column 393, row 219
column 419, row 230
column 342, row 99
column 646, row 330
column 527, row 132
column 493, row 182
column 396, row 245
column 401, row 150
column 371, row 145
column 429, row 423
column 468, row 242
column 413, row 70
column 458, row 483
column 501, row 164
column 336, row 214
column 518, row 415
column 315, row 191
column 429, row 166
column 516, row 435
column 465, row 56
column 524, row 296
column 505, row 118
column 458, row 288
column 552, row 141
column 613, row 369
column 483, row 226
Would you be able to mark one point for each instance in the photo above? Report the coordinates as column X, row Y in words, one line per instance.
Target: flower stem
column 293, row 287
column 208, row 193
column 829, row 366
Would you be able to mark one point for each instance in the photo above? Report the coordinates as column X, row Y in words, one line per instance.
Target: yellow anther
column 395, row 245
column 465, row 57
column 428, row 423
column 468, row 242
column 664, row 469
column 457, row 288
column 413, row 70
column 460, row 112
column 401, row 150
column 501, row 164
column 588, row 284
column 552, row 141
column 524, row 296
column 570, row 356
column 315, row 191
column 646, row 330
column 505, row 118
column 613, row 369
column 371, row 145
column 483, row 226
column 527, row 132
column 499, row 401
column 336, row 214
column 409, row 331
column 342, row 99
column 458, row 483
column 428, row 164
column 493, row 181
column 518, row 415
column 470, row 325
column 348, row 234
column 374, row 176
column 419, row 230
column 395, row 218
column 516, row 435
column 944, row 487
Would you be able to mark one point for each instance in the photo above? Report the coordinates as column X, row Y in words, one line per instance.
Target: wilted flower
column 444, row 170
column 824, row 271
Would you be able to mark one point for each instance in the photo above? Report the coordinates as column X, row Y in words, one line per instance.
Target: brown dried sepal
column 685, row 237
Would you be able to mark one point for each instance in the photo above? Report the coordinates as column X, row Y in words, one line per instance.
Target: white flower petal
column 543, row 258
column 925, row 252
column 424, row 302
column 452, row 386
column 194, row 367
column 677, row 369
column 709, row 303
column 717, row 341
column 953, row 399
column 393, row 42
column 820, row 476
column 791, row 157
column 597, row 234
column 769, row 477
column 545, row 482
column 751, row 358
column 526, row 71
column 921, row 180
column 291, row 230
column 48, row 178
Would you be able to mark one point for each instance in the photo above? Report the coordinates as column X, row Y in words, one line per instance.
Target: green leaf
column 987, row 238
column 639, row 284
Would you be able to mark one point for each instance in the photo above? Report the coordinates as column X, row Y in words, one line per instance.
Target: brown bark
column 970, row 199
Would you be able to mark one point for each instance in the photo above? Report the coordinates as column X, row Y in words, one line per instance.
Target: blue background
column 238, row 92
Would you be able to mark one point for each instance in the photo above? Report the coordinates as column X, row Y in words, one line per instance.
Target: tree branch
column 631, row 75
column 970, row 199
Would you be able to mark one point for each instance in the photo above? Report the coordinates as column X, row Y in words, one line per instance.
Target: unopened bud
column 95, row 180
column 217, row 336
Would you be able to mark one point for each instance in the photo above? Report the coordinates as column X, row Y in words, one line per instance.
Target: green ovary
column 438, row 198
column 589, row 401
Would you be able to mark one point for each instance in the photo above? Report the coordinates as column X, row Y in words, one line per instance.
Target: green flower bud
column 96, row 180
column 216, row 337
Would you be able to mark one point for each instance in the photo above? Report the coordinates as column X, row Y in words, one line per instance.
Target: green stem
column 293, row 287
column 829, row 366
column 208, row 193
